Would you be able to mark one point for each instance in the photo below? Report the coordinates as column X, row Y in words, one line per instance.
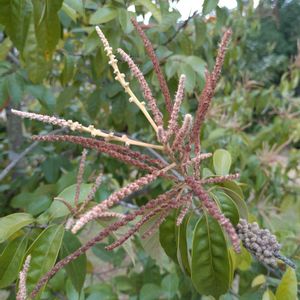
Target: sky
column 187, row 7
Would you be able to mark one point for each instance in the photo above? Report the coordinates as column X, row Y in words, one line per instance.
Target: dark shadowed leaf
column 210, row 263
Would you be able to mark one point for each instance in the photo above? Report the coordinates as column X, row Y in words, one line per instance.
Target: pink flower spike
column 22, row 292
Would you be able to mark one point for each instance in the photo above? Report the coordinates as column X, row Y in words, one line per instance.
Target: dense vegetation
column 53, row 63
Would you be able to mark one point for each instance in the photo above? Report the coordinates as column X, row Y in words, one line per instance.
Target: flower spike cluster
column 179, row 147
column 22, row 291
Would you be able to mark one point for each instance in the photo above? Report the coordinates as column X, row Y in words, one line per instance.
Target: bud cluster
column 260, row 242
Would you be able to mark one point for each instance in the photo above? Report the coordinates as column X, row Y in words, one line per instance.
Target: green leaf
column 222, row 162
column 151, row 7
column 228, row 207
column 34, row 59
column 58, row 209
column 168, row 236
column 124, row 20
column 15, row 15
column 268, row 295
column 210, row 265
column 69, row 69
column 188, row 71
column 12, row 223
column 44, row 251
column 232, row 189
column 169, row 285
column 183, row 254
column 11, row 260
column 47, row 25
column 197, row 64
column 76, row 269
column 287, row 288
column 103, row 15
column 152, row 244
column 208, row 6
column 150, row 291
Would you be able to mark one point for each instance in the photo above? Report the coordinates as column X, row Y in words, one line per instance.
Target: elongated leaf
column 268, row 295
column 11, row 260
column 103, row 15
column 76, row 269
column 69, row 70
column 47, row 25
column 35, row 62
column 210, row 265
column 183, row 254
column 12, row 223
column 168, row 236
column 222, row 161
column 15, row 15
column 287, row 289
column 44, row 251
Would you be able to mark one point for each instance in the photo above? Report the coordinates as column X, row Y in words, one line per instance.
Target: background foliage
column 52, row 63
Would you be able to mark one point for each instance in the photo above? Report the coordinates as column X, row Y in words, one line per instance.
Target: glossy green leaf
column 12, row 223
column 222, row 161
column 208, row 6
column 235, row 193
column 124, row 20
column 183, row 254
column 44, row 251
column 287, row 288
column 103, row 15
column 11, row 260
column 70, row 244
column 58, row 209
column 168, row 236
column 210, row 265
column 228, row 206
column 47, row 25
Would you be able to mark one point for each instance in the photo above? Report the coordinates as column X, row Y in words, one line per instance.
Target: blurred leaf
column 208, row 6
column 151, row 7
column 258, row 280
column 103, row 15
column 44, row 251
column 287, row 288
column 11, row 260
column 210, row 263
column 12, row 223
column 124, row 20
column 268, row 295
column 15, row 15
column 222, row 162
column 190, row 81
column 69, row 69
column 35, row 62
column 47, row 25
column 76, row 269
column 150, row 291
column 170, row 285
